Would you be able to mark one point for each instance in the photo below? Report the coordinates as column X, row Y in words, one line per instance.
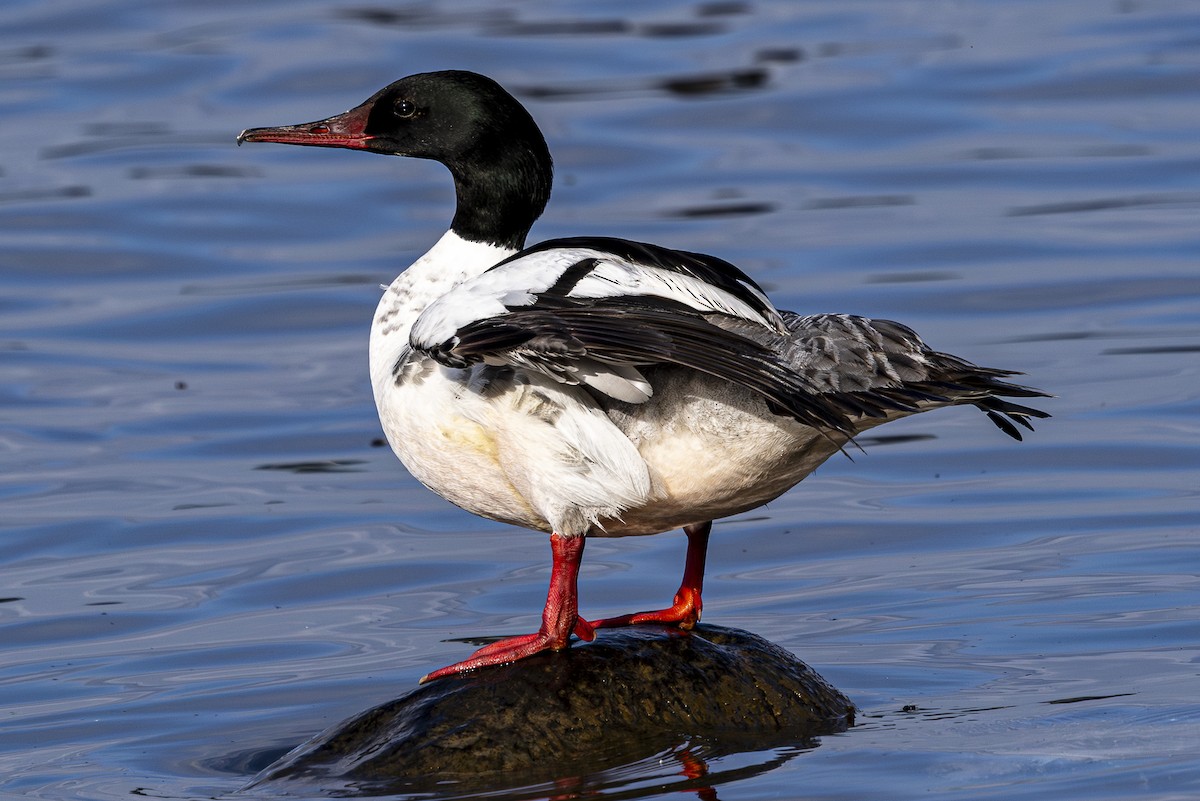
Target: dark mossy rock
column 633, row 693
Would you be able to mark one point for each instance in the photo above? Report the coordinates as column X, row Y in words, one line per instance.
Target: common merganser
column 598, row 387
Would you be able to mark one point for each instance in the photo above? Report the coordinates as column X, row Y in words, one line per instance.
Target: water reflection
column 692, row 768
column 1105, row 204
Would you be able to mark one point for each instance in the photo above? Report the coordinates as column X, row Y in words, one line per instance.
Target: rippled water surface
column 205, row 558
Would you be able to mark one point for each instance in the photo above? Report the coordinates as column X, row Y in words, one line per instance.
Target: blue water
column 205, row 559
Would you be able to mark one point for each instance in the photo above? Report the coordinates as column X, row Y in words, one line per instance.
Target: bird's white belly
column 524, row 450
column 544, row 456
column 457, row 457
column 715, row 454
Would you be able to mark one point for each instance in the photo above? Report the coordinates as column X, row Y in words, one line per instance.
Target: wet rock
column 632, row 694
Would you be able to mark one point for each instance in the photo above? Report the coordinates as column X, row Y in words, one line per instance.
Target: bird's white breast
column 530, row 451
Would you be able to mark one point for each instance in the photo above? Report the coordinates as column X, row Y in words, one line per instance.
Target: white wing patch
column 615, row 278
column 519, row 283
column 491, row 295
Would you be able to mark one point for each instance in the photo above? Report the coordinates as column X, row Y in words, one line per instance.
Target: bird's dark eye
column 405, row 109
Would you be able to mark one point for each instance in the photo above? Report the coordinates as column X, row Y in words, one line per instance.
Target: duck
column 594, row 386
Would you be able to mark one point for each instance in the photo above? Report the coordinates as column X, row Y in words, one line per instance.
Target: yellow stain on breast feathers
column 468, row 449
column 465, row 435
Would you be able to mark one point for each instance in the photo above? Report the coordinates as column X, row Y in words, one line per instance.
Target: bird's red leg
column 685, row 611
column 560, row 618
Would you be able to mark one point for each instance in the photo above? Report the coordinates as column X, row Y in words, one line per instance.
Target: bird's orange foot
column 510, row 649
column 684, row 613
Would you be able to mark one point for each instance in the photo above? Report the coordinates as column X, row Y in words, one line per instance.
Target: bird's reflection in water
column 688, row 769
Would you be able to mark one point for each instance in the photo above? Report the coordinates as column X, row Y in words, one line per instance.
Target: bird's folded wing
column 602, row 342
column 590, row 269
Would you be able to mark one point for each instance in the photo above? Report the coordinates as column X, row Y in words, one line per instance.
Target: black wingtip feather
column 1004, row 413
